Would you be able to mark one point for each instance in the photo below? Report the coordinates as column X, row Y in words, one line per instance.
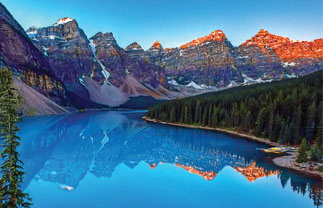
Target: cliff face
column 95, row 69
column 120, row 62
column 270, row 55
column 68, row 52
column 213, row 61
column 25, row 60
column 209, row 60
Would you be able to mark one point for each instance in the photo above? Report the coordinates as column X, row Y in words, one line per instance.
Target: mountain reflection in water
column 64, row 149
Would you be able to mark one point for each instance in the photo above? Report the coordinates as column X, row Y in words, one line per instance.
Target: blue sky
column 175, row 22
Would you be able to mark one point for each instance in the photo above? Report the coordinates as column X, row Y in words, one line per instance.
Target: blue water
column 115, row 159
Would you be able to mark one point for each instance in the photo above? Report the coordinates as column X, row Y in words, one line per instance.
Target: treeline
column 282, row 111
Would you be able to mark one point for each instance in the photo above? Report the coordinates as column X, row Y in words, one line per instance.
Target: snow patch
column 242, row 57
column 194, row 85
column 173, row 82
column 290, row 76
column 286, row 64
column 250, row 80
column 105, row 73
column 63, row 21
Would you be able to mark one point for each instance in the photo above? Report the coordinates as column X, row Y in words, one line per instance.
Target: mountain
column 209, row 60
column 213, row 61
column 63, row 64
column 93, row 70
column 268, row 56
column 27, row 62
column 68, row 52
column 119, row 64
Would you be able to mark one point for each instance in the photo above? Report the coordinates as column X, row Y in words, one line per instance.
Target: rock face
column 134, row 50
column 213, row 61
column 268, row 55
column 120, row 62
column 34, row 103
column 68, row 52
column 95, row 69
column 25, row 60
column 209, row 60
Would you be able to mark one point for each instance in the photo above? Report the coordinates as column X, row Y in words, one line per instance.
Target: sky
column 176, row 22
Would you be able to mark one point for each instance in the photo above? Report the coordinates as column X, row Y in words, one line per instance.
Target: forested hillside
column 283, row 111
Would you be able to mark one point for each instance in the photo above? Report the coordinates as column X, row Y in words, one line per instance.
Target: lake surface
column 114, row 159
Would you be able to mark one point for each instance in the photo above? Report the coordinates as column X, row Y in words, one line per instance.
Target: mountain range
column 60, row 66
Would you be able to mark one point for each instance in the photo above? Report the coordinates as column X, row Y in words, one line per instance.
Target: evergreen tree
column 271, row 125
column 298, row 121
column 11, row 194
column 317, row 150
column 247, row 122
column 310, row 126
column 259, row 123
column 277, row 127
column 214, row 117
column 302, row 152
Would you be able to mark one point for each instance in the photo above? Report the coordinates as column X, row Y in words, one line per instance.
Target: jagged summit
column 63, row 21
column 106, row 39
column 100, row 35
column 133, row 46
column 285, row 48
column 216, row 35
column 32, row 30
column 156, row 45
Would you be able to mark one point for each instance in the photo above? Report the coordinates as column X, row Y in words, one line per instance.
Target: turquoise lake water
column 114, row 159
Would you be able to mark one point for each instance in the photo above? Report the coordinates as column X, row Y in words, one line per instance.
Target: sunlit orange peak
column 216, row 35
column 63, row 21
column 285, row 48
column 156, row 45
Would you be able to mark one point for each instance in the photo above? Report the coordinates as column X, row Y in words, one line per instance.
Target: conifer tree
column 302, row 152
column 310, row 126
column 11, row 194
column 298, row 120
column 270, row 124
column 259, row 123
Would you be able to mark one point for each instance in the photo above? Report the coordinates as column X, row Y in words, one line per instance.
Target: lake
column 115, row 159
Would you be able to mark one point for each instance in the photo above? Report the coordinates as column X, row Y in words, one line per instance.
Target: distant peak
column 285, row 48
column 133, row 46
column 100, row 35
column 63, row 21
column 216, row 35
column 32, row 30
column 156, row 45
column 263, row 31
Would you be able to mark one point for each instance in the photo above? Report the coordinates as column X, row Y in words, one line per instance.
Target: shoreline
column 285, row 161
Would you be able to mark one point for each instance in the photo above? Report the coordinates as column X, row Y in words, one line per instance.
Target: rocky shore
column 287, row 161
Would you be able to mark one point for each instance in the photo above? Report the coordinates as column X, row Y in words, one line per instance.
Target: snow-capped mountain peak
column 63, row 21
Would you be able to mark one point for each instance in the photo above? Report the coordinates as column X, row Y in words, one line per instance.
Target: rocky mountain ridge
column 63, row 64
